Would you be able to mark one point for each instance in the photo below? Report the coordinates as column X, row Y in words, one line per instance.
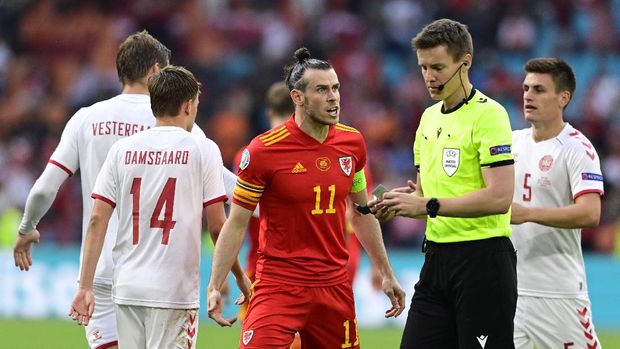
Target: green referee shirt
column 450, row 150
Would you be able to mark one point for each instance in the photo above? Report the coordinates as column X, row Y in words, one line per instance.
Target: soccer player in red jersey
column 302, row 173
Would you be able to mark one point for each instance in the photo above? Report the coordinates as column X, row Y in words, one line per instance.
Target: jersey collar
column 456, row 107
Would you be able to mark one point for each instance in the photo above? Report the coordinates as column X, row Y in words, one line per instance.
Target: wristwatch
column 432, row 207
column 362, row 209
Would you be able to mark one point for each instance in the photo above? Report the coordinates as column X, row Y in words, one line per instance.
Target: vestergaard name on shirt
column 116, row 128
column 160, row 157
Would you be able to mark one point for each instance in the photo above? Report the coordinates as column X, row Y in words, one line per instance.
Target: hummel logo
column 482, row 339
column 299, row 168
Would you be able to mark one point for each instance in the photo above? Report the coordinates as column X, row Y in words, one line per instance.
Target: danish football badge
column 247, row 336
column 245, row 159
column 346, row 164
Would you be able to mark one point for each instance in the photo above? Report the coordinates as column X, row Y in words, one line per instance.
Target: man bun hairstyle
column 293, row 74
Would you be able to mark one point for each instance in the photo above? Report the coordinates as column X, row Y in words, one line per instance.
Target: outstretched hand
column 22, row 249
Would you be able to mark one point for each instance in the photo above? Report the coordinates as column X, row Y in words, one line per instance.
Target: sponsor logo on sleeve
column 586, row 176
column 245, row 159
column 500, row 149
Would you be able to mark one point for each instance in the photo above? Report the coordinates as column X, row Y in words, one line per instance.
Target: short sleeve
column 361, row 160
column 252, row 177
column 107, row 182
column 492, row 135
column 66, row 155
column 417, row 144
column 213, row 189
column 584, row 170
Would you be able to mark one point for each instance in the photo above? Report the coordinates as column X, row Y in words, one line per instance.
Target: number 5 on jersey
column 165, row 198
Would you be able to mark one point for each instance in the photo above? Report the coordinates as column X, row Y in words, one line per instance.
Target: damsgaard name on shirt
column 160, row 157
column 116, row 128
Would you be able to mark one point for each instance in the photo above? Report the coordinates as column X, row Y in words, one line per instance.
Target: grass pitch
column 60, row 334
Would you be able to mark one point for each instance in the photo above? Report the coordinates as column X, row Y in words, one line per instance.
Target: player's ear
column 297, row 97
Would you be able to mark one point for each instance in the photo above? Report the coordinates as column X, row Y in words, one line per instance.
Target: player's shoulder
column 522, row 134
column 345, row 128
column 485, row 102
column 573, row 140
column 273, row 137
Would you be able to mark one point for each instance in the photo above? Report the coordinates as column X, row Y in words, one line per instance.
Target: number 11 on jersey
column 165, row 198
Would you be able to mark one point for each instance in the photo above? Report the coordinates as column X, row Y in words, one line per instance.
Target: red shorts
column 323, row 316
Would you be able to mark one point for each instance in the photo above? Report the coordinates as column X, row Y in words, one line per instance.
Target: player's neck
column 136, row 88
column 312, row 128
column 458, row 96
column 176, row 121
column 542, row 131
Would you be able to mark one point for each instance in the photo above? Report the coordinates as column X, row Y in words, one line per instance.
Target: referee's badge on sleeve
column 451, row 160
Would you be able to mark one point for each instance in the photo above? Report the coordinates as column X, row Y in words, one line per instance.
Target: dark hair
column 171, row 87
column 453, row 34
column 561, row 73
column 293, row 74
column 137, row 54
column 279, row 99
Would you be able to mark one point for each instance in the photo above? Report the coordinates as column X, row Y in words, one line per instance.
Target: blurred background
column 57, row 56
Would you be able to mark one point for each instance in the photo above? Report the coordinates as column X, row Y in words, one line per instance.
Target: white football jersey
column 85, row 142
column 159, row 181
column 552, row 173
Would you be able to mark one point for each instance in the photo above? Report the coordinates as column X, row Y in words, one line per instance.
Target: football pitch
column 59, row 334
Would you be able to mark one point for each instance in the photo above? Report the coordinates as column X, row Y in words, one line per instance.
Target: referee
column 467, row 292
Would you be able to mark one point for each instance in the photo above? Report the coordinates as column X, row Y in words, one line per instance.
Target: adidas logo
column 298, row 168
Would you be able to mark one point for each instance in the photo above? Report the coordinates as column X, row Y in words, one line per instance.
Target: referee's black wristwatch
column 432, row 207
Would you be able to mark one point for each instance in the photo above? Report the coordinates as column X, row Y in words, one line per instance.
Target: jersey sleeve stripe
column 62, row 167
column 212, row 201
column 346, row 128
column 499, row 163
column 250, row 186
column 104, row 199
column 240, row 198
column 273, row 134
column 247, row 193
column 286, row 134
column 588, row 191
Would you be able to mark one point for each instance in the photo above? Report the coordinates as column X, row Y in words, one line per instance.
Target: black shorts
column 466, row 297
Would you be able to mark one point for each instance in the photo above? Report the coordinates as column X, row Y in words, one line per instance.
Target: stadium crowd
column 56, row 56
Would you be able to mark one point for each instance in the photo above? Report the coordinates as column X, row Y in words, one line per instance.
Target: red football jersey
column 302, row 186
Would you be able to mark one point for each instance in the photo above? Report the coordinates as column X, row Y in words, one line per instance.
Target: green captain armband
column 359, row 182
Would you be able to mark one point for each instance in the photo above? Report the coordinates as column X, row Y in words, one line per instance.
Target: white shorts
column 156, row 328
column 101, row 329
column 564, row 323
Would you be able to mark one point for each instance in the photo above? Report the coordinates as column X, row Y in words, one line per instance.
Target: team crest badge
column 346, row 164
column 545, row 163
column 245, row 159
column 323, row 163
column 451, row 160
column 247, row 336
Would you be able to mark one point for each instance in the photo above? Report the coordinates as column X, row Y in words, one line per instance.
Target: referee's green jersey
column 450, row 150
